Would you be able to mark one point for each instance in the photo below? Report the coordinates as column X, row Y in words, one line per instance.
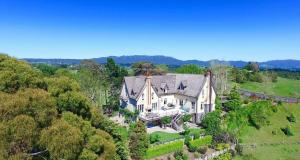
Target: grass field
column 283, row 87
column 201, row 141
column 269, row 146
column 164, row 149
column 164, row 136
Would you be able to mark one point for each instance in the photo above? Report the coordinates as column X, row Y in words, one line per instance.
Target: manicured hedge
column 164, row 149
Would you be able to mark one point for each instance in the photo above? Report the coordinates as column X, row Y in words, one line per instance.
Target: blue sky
column 256, row 30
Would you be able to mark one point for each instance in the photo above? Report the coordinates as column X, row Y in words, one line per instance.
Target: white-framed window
column 152, row 95
column 201, row 106
column 181, row 102
column 143, row 96
column 165, row 91
column 165, row 101
column 193, row 105
column 154, row 106
column 141, row 108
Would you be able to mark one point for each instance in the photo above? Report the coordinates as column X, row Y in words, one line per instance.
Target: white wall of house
column 187, row 102
column 203, row 99
column 147, row 100
column 168, row 99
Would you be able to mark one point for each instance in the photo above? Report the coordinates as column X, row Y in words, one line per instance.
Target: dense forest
column 54, row 113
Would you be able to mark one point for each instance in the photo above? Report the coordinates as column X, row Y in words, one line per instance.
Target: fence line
column 265, row 96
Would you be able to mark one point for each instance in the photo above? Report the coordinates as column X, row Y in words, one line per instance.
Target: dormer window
column 181, row 86
column 164, row 87
column 165, row 90
column 132, row 92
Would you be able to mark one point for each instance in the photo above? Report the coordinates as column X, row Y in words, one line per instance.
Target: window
column 152, row 95
column 203, row 94
column 165, row 101
column 193, row 105
column 143, row 96
column 201, row 106
column 154, row 106
column 165, row 90
column 141, row 108
column 181, row 102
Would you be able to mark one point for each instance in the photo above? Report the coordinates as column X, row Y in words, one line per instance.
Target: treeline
column 252, row 73
column 49, row 113
column 287, row 74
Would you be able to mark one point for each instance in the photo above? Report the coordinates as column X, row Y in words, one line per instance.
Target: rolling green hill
column 263, row 144
column 283, row 87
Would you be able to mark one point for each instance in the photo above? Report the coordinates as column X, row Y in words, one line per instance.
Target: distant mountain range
column 125, row 60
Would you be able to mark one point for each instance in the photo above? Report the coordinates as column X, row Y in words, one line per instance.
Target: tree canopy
column 48, row 114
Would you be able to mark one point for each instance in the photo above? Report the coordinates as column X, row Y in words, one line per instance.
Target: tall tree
column 212, row 123
column 147, row 68
column 92, row 79
column 252, row 66
column 191, row 69
column 115, row 76
column 138, row 141
column 234, row 100
column 62, row 141
column 220, row 73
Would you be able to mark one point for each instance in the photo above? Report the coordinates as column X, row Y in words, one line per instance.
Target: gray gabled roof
column 192, row 84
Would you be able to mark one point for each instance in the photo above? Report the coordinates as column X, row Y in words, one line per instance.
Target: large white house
column 169, row 95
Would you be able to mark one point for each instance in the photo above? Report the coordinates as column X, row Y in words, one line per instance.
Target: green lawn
column 164, row 149
column 201, row 141
column 283, row 87
column 163, row 136
column 196, row 131
column 263, row 138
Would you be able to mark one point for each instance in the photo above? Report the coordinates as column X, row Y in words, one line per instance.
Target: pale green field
column 283, row 87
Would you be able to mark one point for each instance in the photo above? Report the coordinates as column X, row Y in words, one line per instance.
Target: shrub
column 246, row 101
column 291, row 118
column 196, row 155
column 196, row 136
column 202, row 149
column 192, row 148
column 287, row 131
column 225, row 156
column 232, row 152
column 186, row 117
column 220, row 146
column 187, row 140
column 274, row 132
column 223, row 137
column 212, row 123
column 154, row 138
column 179, row 155
column 239, row 149
column 274, row 109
